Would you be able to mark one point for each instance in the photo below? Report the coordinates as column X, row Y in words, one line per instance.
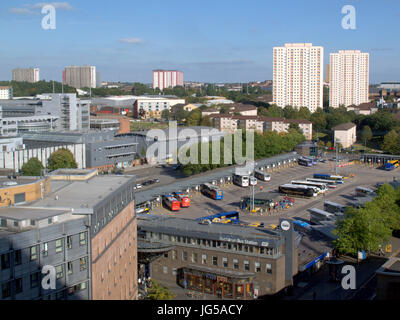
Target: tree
column 166, row 114
column 32, row 168
column 194, row 118
column 391, row 143
column 61, row 159
column 159, row 292
column 366, row 134
column 328, row 145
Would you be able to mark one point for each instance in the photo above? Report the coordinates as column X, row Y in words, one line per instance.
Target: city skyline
column 219, row 43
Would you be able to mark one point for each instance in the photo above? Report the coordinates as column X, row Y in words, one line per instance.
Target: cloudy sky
column 214, row 41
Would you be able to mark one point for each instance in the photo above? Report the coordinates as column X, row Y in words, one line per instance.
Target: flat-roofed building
column 167, row 79
column 6, row 93
column 90, row 239
column 26, row 75
column 80, row 76
column 147, row 107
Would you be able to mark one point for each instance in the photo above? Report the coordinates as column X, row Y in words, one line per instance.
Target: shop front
column 222, row 283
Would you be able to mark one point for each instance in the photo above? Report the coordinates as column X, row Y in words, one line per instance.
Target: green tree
column 166, row 114
column 366, row 134
column 61, row 159
column 159, row 292
column 328, row 145
column 194, row 118
column 318, row 119
column 391, row 143
column 32, row 168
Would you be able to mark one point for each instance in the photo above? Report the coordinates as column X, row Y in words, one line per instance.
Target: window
column 268, row 268
column 235, row 264
column 16, row 224
column 69, row 267
column 184, row 256
column 194, row 257
column 174, row 271
column 49, row 220
column 246, row 265
column 82, row 263
column 165, row 254
column 5, row 261
column 204, row 258
column 257, row 266
column 174, row 255
column 215, row 261
column 18, row 285
column 69, row 242
column 82, row 238
column 225, row 262
column 59, row 245
column 44, row 249
column 33, row 222
column 3, row 223
column 6, row 290
column 34, row 280
column 33, row 253
column 165, row 270
column 59, row 272
column 17, row 257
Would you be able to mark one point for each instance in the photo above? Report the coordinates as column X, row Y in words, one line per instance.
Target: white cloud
column 131, row 40
column 23, row 11
column 57, row 5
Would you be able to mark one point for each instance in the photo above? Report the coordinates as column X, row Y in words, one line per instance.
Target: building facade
column 26, row 75
column 6, row 93
column 345, row 134
column 80, row 76
column 298, row 76
column 349, row 78
column 152, row 107
column 167, row 79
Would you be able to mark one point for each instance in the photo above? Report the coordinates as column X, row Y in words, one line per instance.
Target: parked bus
column 362, row 191
column 223, row 217
column 253, row 181
column 241, row 180
column 329, row 183
column 183, row 198
column 337, row 179
column 262, row 175
column 320, row 185
column 333, row 207
column 171, row 202
column 318, row 215
column 305, row 162
column 212, row 191
column 392, row 164
column 298, row 190
column 314, row 161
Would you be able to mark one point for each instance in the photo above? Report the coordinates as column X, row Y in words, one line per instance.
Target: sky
column 209, row 40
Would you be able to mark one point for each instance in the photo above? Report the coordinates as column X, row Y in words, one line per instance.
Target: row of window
column 44, row 249
column 224, row 263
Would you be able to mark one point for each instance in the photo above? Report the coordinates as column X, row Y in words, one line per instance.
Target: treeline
column 266, row 145
column 27, row 89
column 370, row 227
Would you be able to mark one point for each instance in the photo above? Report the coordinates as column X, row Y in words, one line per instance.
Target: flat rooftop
column 22, row 213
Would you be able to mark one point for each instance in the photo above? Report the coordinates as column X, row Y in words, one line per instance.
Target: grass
column 138, row 126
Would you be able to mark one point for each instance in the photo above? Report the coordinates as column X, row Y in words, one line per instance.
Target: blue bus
column 391, row 165
column 305, row 162
column 212, row 191
column 223, row 217
column 330, row 177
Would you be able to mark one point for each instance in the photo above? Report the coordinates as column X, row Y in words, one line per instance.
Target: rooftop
column 344, row 126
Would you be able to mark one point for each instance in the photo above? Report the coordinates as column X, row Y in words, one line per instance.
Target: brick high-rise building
column 349, row 78
column 167, row 79
column 298, row 76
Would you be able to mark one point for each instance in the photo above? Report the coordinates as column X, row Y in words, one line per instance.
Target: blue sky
column 215, row 41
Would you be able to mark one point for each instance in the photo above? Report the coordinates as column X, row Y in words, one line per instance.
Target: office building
column 26, row 75
column 147, row 107
column 90, row 240
column 349, row 78
column 167, row 79
column 298, row 76
column 6, row 93
column 80, row 76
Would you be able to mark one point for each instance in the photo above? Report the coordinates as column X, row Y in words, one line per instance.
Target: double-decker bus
column 211, row 191
column 318, row 215
column 329, row 183
column 392, row 164
column 337, row 179
column 305, row 162
column 183, row 198
column 262, row 175
column 362, row 191
column 320, row 185
column 241, row 180
column 171, row 202
column 333, row 207
column 298, row 190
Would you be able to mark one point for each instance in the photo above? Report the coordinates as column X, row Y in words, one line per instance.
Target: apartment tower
column 80, row 77
column 26, row 75
column 349, row 78
column 298, row 76
column 167, row 79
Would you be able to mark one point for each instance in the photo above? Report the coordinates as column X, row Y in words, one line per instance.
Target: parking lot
column 363, row 176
